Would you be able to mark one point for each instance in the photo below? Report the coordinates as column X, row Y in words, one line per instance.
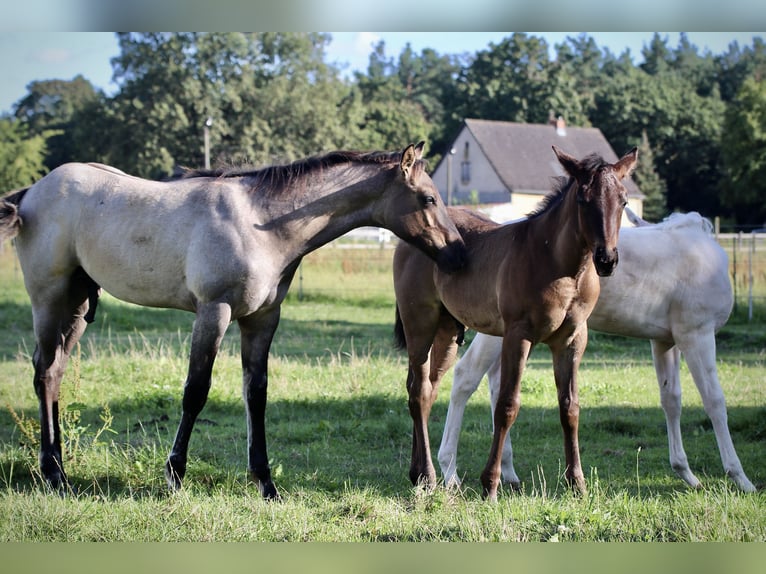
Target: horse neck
column 329, row 203
column 560, row 226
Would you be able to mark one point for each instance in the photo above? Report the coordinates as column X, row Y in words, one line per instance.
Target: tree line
column 699, row 119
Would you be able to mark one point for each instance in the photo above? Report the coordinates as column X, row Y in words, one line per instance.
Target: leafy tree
column 657, row 56
column 738, row 64
column 392, row 102
column 22, row 157
column 270, row 97
column 744, row 154
column 51, row 107
column 508, row 81
column 683, row 126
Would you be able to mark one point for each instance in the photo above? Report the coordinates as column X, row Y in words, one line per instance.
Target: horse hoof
column 59, row 485
column 269, row 491
column 453, row 483
column 515, row 486
column 174, row 475
column 489, row 495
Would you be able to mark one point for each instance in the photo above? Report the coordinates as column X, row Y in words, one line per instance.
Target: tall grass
column 339, row 439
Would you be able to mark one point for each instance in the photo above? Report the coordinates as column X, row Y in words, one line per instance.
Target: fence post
column 750, row 257
column 734, row 269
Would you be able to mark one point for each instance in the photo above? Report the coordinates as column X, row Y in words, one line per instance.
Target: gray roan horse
column 222, row 245
column 531, row 282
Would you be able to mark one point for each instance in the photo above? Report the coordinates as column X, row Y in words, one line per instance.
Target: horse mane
column 691, row 219
column 279, row 177
column 562, row 185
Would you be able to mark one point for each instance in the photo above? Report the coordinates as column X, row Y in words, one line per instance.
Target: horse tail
column 400, row 341
column 10, row 218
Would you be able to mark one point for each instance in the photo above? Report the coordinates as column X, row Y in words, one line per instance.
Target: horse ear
column 626, row 163
column 569, row 163
column 409, row 157
column 419, row 149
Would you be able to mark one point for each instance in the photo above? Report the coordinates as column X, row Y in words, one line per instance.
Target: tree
column 393, row 101
column 51, row 107
column 22, row 157
column 651, row 184
column 683, row 126
column 270, row 97
column 509, row 81
column 744, row 154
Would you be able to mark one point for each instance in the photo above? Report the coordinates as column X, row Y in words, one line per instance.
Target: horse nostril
column 605, row 261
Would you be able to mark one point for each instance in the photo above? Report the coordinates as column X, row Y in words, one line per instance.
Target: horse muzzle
column 605, row 261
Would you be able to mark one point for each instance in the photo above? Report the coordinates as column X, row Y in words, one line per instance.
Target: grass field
column 339, row 435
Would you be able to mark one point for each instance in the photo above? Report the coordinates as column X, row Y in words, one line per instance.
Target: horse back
column 668, row 277
column 147, row 242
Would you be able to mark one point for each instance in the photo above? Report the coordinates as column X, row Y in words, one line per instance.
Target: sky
column 30, row 56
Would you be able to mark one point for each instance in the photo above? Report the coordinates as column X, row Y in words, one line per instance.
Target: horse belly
column 153, row 281
column 630, row 319
column 476, row 310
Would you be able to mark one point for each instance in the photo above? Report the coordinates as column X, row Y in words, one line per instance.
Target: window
column 465, row 166
column 465, row 172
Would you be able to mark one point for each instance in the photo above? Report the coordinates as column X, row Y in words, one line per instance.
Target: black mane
column 593, row 162
column 280, row 176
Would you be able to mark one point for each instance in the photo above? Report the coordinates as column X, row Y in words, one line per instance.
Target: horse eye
column 429, row 200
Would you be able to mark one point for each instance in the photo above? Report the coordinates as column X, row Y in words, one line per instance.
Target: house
column 507, row 167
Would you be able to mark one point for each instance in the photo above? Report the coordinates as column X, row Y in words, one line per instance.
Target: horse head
column 415, row 212
column 601, row 199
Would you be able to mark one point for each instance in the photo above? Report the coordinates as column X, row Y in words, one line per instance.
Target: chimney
column 561, row 126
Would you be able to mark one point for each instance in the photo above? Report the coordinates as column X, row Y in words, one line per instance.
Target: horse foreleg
column 700, row 357
column 566, row 362
column 667, row 365
column 209, row 327
column 257, row 335
column 508, row 472
column 468, row 373
column 514, row 358
column 419, row 389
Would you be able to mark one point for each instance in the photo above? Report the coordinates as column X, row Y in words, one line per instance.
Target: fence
column 747, row 269
column 360, row 268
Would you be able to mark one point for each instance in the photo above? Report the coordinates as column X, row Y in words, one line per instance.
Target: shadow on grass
column 331, row 445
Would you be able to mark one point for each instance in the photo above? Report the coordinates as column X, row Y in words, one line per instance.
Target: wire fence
column 361, row 269
column 747, row 269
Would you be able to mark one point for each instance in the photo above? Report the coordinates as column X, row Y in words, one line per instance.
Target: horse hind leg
column 467, row 376
column 59, row 324
column 667, row 364
column 699, row 352
column 423, row 352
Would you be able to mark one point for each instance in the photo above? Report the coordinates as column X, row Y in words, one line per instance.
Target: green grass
column 339, row 437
